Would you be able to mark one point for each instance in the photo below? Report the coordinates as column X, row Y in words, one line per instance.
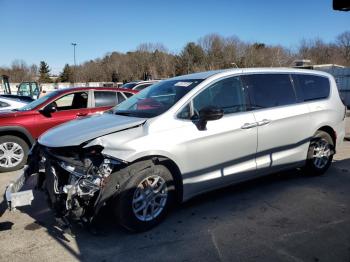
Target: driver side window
column 72, row 101
column 226, row 94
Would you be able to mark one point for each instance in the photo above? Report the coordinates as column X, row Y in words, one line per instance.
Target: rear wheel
column 320, row 154
column 145, row 199
column 13, row 153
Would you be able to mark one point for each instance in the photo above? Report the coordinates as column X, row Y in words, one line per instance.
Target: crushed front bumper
column 15, row 197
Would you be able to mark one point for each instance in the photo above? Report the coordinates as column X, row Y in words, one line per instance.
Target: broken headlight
column 93, row 162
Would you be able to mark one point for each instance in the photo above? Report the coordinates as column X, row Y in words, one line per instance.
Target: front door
column 69, row 107
column 225, row 151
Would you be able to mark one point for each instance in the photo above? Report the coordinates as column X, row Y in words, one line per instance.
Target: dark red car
column 20, row 128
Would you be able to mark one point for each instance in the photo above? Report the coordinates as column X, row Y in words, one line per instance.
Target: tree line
column 210, row 52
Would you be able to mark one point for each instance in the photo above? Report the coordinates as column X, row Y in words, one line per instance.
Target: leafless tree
column 343, row 42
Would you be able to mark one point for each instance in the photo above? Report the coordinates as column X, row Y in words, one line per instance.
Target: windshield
column 129, row 85
column 38, row 102
column 156, row 99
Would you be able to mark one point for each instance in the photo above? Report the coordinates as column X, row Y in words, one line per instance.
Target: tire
column 319, row 165
column 19, row 153
column 126, row 210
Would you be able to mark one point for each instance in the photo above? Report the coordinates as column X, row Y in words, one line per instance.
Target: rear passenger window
column 312, row 87
column 269, row 90
column 105, row 98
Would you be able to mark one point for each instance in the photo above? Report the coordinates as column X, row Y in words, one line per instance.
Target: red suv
column 20, row 128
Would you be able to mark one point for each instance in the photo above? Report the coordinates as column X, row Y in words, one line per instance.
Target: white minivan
column 185, row 136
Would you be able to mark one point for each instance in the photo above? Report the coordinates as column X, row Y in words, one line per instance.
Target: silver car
column 185, row 136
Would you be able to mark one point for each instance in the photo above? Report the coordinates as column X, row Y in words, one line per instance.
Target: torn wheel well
column 331, row 132
column 174, row 170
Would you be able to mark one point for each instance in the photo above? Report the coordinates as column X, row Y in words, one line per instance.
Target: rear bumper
column 15, row 197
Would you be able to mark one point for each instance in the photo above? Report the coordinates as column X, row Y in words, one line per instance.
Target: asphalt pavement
column 281, row 217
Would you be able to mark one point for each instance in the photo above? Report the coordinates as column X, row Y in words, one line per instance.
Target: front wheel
column 146, row 199
column 320, row 154
column 13, row 153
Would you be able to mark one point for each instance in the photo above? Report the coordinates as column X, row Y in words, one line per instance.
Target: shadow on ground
column 255, row 220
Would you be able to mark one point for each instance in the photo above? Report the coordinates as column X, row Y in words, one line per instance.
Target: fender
column 21, row 130
column 117, row 180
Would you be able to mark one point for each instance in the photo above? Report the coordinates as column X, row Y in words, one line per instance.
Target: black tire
column 123, row 205
column 310, row 167
column 24, row 148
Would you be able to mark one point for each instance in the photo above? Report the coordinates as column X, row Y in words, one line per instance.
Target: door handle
column 249, row 125
column 264, row 122
column 82, row 114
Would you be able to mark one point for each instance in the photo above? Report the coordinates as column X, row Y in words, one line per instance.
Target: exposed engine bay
column 77, row 180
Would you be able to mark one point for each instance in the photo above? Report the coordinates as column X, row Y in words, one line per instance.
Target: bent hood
column 81, row 130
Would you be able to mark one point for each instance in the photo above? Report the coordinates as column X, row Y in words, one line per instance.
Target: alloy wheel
column 11, row 154
column 150, row 198
column 322, row 153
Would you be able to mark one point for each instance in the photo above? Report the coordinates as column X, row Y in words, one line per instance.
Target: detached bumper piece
column 15, row 197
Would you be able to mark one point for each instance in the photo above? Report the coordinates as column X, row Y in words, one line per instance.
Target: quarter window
column 312, row 87
column 269, row 90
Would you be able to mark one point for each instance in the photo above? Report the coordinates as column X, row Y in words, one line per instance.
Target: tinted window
column 105, row 98
column 269, row 90
column 312, row 87
column 226, row 94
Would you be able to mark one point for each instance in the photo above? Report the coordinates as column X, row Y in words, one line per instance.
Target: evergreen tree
column 115, row 77
column 67, row 74
column 44, row 71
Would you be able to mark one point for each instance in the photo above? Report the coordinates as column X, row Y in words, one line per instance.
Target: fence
column 49, row 87
column 342, row 77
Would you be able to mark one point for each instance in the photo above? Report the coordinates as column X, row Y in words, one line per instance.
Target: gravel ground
column 282, row 217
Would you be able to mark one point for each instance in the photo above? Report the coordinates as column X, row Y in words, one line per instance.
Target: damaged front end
column 77, row 180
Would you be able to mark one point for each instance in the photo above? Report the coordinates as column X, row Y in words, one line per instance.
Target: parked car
column 185, row 136
column 20, row 128
column 26, row 91
column 139, row 85
column 7, row 104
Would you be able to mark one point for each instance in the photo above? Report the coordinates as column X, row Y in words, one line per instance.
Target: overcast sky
column 35, row 30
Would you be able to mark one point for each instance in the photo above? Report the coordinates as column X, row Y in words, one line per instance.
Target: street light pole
column 74, row 44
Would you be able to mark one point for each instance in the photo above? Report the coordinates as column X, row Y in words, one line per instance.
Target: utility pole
column 74, row 44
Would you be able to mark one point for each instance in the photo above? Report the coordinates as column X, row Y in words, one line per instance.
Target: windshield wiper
column 123, row 113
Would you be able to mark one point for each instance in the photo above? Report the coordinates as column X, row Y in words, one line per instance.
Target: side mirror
column 47, row 110
column 208, row 113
